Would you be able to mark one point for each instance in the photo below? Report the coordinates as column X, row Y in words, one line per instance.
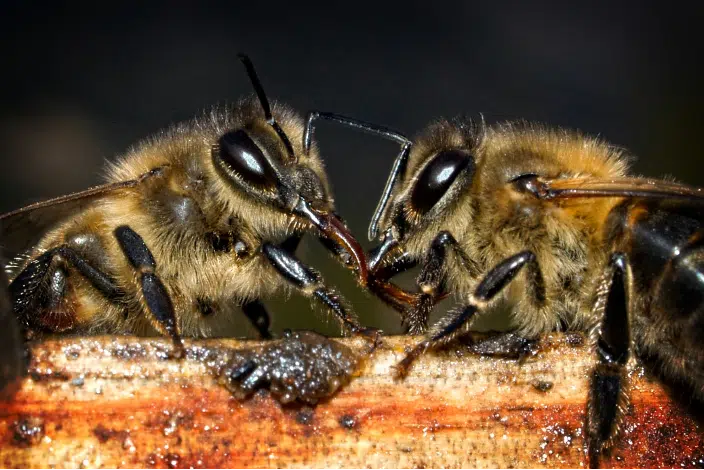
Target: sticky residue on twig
column 302, row 366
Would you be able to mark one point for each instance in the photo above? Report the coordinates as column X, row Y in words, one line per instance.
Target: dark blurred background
column 81, row 83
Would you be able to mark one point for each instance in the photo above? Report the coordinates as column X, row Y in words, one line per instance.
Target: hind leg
column 612, row 343
column 38, row 291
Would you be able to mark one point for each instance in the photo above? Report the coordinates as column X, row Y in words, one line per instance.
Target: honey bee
column 549, row 224
column 193, row 224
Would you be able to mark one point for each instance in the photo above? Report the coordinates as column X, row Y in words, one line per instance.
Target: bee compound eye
column 437, row 177
column 243, row 156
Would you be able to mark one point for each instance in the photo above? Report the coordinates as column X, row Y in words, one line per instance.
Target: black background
column 81, row 83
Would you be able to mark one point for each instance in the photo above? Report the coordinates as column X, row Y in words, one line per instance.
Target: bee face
column 254, row 158
column 439, row 176
column 265, row 166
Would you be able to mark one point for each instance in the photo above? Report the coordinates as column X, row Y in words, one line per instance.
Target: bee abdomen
column 664, row 241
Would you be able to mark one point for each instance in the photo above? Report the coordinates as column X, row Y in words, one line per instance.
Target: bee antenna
column 257, row 84
column 264, row 101
column 374, row 129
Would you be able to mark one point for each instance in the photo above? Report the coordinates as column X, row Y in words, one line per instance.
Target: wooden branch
column 106, row 402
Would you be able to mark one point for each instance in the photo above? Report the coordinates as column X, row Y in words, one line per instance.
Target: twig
column 106, row 402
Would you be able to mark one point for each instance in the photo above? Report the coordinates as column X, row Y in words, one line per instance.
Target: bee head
column 425, row 184
column 266, row 156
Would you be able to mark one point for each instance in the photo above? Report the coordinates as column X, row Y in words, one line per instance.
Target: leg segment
column 492, row 283
column 291, row 243
column 310, row 284
column 385, row 269
column 431, row 279
column 156, row 298
column 255, row 310
column 607, row 394
column 415, row 308
column 41, row 285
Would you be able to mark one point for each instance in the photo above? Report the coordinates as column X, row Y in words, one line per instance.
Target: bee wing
column 617, row 187
column 23, row 228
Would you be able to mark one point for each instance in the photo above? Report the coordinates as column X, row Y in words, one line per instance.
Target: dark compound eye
column 437, row 177
column 242, row 155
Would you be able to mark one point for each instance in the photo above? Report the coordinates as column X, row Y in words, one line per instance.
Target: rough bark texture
column 106, row 402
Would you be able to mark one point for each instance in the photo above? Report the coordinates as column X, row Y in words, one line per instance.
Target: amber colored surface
column 109, row 402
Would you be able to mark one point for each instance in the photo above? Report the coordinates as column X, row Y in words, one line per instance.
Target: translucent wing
column 23, row 228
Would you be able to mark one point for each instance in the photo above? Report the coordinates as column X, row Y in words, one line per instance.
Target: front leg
column 612, row 341
column 309, row 283
column 431, row 280
column 387, row 260
column 255, row 310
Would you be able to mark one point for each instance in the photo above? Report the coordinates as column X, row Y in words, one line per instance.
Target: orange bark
column 106, row 402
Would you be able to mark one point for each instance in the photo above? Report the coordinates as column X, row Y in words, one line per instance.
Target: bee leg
column 384, row 269
column 156, row 298
column 255, row 310
column 41, row 284
column 431, row 280
column 607, row 392
column 415, row 309
column 291, row 243
column 310, row 284
column 493, row 282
